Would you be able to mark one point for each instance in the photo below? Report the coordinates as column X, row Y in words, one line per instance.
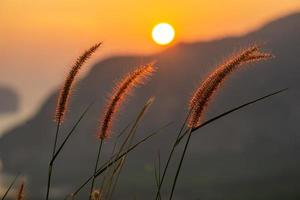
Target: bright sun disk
column 163, row 33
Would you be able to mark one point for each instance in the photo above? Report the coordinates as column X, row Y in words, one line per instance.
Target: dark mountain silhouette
column 251, row 154
column 9, row 100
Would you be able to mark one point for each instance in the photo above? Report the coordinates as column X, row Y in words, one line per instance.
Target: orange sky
column 40, row 38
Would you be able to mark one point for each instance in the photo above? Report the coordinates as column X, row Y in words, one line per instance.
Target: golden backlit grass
column 111, row 168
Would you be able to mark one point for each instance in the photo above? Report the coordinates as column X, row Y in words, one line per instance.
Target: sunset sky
column 41, row 38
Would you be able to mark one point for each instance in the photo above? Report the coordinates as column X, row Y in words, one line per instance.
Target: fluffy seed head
column 121, row 91
column 66, row 90
column 209, row 86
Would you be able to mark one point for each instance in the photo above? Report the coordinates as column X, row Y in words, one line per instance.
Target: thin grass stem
column 191, row 130
column 96, row 167
column 170, row 157
column 233, row 110
column 50, row 166
column 128, row 141
column 180, row 137
column 9, row 187
column 71, row 132
column 56, row 153
column 106, row 165
column 180, row 163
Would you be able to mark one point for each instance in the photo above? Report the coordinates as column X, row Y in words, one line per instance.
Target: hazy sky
column 39, row 39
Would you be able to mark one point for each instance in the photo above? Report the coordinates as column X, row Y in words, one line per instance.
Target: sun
column 163, row 33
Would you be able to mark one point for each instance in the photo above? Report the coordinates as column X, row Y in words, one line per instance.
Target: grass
column 110, row 170
column 62, row 103
column 9, row 187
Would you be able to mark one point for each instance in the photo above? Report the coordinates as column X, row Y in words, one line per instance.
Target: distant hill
column 9, row 100
column 251, row 155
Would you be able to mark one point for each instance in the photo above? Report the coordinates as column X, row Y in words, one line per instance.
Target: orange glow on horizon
column 43, row 37
column 50, row 33
column 125, row 25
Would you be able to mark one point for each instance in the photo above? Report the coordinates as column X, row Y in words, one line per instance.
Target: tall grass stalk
column 63, row 100
column 157, row 173
column 205, row 123
column 71, row 132
column 190, row 131
column 51, row 163
column 96, row 167
column 114, row 178
column 208, row 88
column 161, row 181
column 180, row 163
column 128, row 142
column 50, row 166
column 122, row 89
column 9, row 187
column 112, row 156
column 235, row 109
column 66, row 90
column 107, row 165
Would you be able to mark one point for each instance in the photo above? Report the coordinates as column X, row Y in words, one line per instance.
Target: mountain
column 251, row 154
column 9, row 100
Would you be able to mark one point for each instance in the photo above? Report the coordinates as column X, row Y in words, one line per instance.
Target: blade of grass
column 180, row 163
column 10, row 186
column 190, row 131
column 170, row 157
column 129, row 137
column 113, row 155
column 54, row 155
column 233, row 110
column 113, row 152
column 105, row 166
column 71, row 132
column 96, row 165
column 101, row 170
column 124, row 130
column 111, row 158
column 88, row 180
column 136, row 122
column 180, row 137
column 111, row 184
column 50, row 167
column 157, row 174
column 159, row 170
column 56, row 138
column 128, row 141
column 95, row 168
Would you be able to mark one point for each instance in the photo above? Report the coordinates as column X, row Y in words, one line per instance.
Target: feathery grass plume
column 21, row 192
column 206, row 90
column 66, row 90
column 122, row 89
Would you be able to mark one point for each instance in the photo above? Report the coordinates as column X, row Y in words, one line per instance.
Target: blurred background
column 250, row 155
